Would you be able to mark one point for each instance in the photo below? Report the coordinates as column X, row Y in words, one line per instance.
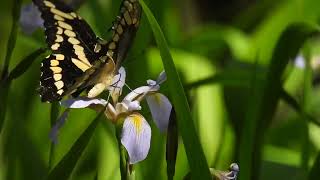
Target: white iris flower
column 136, row 132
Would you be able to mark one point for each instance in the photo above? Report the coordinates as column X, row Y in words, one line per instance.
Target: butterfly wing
column 72, row 42
column 124, row 30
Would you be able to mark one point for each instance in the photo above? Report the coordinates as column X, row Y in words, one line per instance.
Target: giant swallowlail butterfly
column 79, row 58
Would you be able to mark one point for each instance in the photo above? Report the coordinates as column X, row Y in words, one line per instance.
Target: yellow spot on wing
column 73, row 40
column 127, row 18
column 78, row 50
column 123, row 22
column 54, row 63
column 112, row 45
column 77, row 47
column 70, row 33
column 110, row 53
column 56, row 70
column 49, row 4
column 59, row 56
column 62, row 14
column 60, row 92
column 119, row 29
column 57, row 77
column 57, row 17
column 134, row 20
column 55, row 46
column 81, row 65
column 128, row 5
column 60, row 30
column 73, row 14
column 64, row 25
column 59, row 38
column 116, row 38
column 59, row 84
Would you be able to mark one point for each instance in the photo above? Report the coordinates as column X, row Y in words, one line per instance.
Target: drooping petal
column 133, row 95
column 53, row 135
column 30, row 18
column 117, row 84
column 162, row 77
column 160, row 108
column 136, row 136
column 82, row 102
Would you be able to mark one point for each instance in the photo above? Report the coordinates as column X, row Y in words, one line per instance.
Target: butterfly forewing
column 79, row 59
column 72, row 43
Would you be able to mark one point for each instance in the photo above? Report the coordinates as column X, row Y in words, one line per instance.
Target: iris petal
column 82, row 102
column 53, row 135
column 30, row 18
column 117, row 84
column 160, row 108
column 136, row 136
column 162, row 77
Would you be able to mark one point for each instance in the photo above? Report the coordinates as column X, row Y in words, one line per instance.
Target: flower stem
column 123, row 156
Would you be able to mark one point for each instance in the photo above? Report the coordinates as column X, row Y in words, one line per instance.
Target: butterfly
column 80, row 60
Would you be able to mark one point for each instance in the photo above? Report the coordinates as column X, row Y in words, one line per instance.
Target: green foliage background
column 248, row 101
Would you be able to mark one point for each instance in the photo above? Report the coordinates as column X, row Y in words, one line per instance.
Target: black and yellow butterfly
column 79, row 58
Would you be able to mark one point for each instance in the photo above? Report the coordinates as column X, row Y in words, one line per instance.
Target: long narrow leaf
column 262, row 106
column 25, row 63
column 197, row 162
column 13, row 36
column 64, row 168
column 315, row 170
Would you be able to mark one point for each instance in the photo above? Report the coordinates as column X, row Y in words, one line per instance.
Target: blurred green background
column 218, row 48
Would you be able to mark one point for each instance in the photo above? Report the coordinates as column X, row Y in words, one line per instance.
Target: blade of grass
column 307, row 89
column 25, row 63
column 64, row 168
column 13, row 36
column 237, row 77
column 241, row 78
column 296, row 106
column 4, row 83
column 54, row 114
column 262, row 106
column 15, row 73
column 197, row 162
column 172, row 145
column 4, row 90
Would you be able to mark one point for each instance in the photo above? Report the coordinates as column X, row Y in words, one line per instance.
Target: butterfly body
column 79, row 58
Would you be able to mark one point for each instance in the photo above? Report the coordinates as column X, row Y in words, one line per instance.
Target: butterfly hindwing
column 124, row 29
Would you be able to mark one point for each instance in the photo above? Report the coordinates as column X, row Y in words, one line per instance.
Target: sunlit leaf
column 265, row 96
column 64, row 168
column 197, row 162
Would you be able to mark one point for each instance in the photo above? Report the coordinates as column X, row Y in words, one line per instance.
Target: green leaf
column 4, row 83
column 236, row 77
column 4, row 91
column 315, row 170
column 197, row 162
column 13, row 36
column 172, row 145
column 64, row 168
column 26, row 63
column 265, row 96
column 54, row 114
column 295, row 105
